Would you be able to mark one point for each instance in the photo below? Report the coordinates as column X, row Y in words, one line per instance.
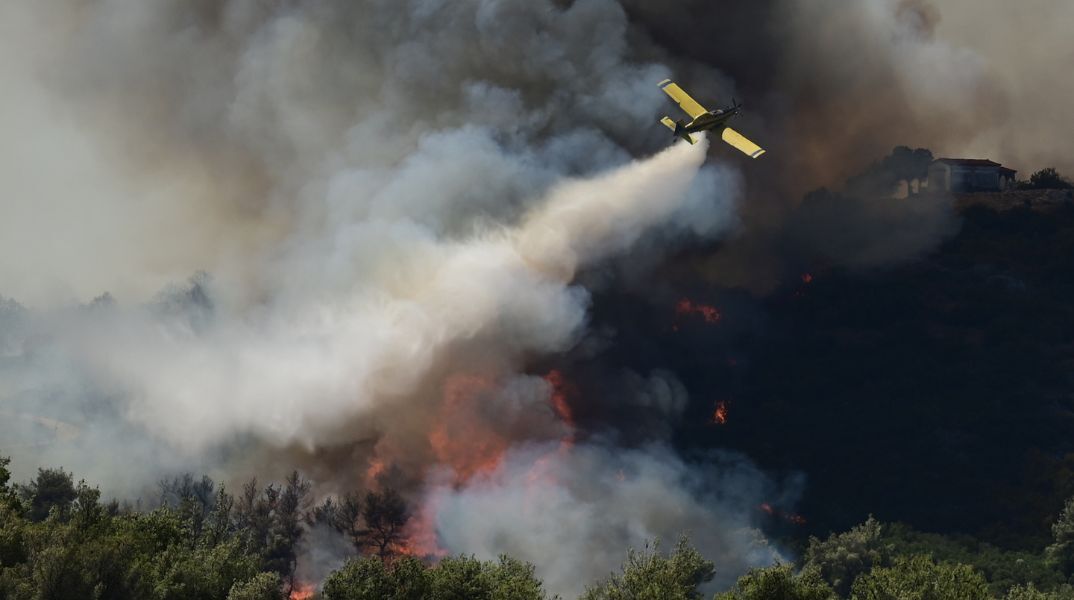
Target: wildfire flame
column 376, row 468
column 420, row 539
column 303, row 591
column 792, row 518
column 472, row 447
column 559, row 396
column 466, row 444
column 719, row 415
column 686, row 307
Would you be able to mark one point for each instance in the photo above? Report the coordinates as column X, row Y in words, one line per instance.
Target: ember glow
column 792, row 518
column 459, row 438
column 558, row 398
column 560, row 388
column 686, row 307
column 420, row 539
column 719, row 415
column 374, row 471
column 807, row 278
column 303, row 591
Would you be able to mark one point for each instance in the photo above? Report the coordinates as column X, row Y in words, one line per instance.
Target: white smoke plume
column 571, row 512
column 390, row 203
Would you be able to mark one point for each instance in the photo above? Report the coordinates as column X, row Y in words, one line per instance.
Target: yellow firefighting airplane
column 704, row 120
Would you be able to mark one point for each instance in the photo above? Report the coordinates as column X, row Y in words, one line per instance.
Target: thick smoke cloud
column 413, row 189
column 831, row 86
column 841, row 83
column 392, row 204
column 1026, row 50
column 542, row 500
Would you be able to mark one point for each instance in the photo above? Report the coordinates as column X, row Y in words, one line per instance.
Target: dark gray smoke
column 392, row 202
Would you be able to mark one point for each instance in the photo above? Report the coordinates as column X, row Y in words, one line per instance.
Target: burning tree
column 376, row 522
column 385, row 515
column 273, row 521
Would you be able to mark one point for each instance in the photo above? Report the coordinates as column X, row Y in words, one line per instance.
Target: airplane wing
column 739, row 141
column 684, row 100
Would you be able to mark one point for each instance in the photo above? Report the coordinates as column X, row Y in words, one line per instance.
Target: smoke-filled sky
column 337, row 235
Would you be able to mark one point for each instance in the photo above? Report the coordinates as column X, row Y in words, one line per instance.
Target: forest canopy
column 59, row 541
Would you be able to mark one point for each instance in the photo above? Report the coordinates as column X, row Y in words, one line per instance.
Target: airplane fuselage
column 711, row 120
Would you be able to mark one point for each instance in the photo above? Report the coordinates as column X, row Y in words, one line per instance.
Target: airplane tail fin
column 677, row 129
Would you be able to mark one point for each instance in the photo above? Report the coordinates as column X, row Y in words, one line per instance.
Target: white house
column 969, row 175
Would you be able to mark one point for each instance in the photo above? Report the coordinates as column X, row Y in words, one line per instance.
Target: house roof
column 969, row 162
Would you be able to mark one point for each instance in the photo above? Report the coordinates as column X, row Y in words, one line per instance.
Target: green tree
column 843, row 557
column 219, row 524
column 289, row 517
column 12, row 526
column 1002, row 568
column 1060, row 553
column 1048, row 179
column 1030, row 592
column 649, row 575
column 779, row 583
column 882, row 176
column 8, row 496
column 51, row 488
column 369, row 578
column 263, row 586
column 13, row 549
column 204, row 573
column 193, row 499
column 456, row 578
column 920, row 578
column 466, row 577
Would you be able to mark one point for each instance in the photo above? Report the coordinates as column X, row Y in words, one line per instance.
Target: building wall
column 939, row 177
column 962, row 178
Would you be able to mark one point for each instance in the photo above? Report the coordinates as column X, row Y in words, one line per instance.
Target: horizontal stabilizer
column 674, row 127
column 739, row 141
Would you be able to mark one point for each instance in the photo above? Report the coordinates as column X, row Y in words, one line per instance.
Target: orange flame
column 559, row 396
column 421, row 540
column 719, row 416
column 792, row 518
column 376, row 468
column 542, row 470
column 560, row 388
column 303, row 591
column 460, row 440
column 686, row 307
